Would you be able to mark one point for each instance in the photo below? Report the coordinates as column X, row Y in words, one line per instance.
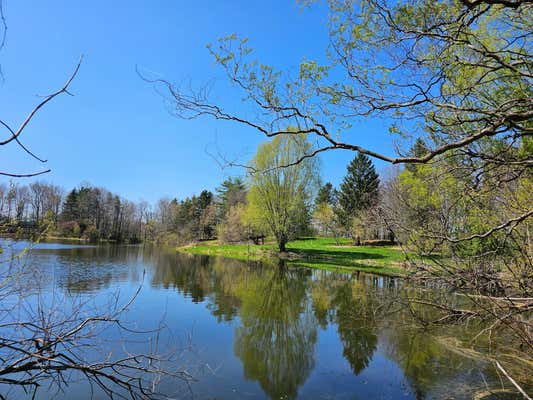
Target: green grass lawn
column 323, row 253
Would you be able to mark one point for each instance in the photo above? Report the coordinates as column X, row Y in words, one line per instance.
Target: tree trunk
column 282, row 241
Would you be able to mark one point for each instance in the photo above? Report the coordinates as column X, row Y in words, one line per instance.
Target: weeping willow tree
column 280, row 193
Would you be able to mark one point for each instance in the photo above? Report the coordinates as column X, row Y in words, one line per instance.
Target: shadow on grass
column 337, row 255
column 321, row 253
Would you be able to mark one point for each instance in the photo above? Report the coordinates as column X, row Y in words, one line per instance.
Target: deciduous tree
column 279, row 197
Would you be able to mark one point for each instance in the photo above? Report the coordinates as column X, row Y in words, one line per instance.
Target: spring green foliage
column 280, row 195
column 439, row 206
column 325, row 220
column 232, row 228
column 275, row 340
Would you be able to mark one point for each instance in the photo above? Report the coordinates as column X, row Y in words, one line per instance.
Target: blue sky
column 117, row 131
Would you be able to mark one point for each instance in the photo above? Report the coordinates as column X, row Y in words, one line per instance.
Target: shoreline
column 317, row 253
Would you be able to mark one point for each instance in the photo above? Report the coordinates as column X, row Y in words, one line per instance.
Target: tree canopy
column 279, row 197
column 435, row 69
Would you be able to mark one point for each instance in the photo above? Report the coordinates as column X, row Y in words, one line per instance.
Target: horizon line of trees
column 412, row 207
column 240, row 209
column 86, row 211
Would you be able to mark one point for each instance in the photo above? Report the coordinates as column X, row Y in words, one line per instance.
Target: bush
column 69, row 228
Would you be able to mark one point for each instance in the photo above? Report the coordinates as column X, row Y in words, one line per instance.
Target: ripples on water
column 266, row 331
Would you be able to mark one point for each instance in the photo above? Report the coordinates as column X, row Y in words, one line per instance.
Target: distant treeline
column 94, row 213
column 231, row 213
column 86, row 212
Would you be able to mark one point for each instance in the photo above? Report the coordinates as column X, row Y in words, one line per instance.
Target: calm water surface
column 264, row 331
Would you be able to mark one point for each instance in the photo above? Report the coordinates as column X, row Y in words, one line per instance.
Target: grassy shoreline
column 320, row 253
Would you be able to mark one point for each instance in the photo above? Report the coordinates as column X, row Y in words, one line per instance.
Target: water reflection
column 355, row 323
column 294, row 332
column 277, row 336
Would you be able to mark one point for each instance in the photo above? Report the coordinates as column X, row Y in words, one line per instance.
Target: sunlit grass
column 322, row 253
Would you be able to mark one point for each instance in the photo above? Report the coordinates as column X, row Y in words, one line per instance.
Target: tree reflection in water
column 275, row 313
column 356, row 324
column 277, row 336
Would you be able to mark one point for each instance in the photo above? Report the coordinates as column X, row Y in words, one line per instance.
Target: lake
column 263, row 331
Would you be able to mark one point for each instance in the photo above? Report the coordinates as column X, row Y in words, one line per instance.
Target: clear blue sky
column 117, row 132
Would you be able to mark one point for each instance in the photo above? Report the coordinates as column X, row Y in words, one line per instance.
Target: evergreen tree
column 325, row 195
column 359, row 189
column 70, row 207
column 202, row 201
column 230, row 193
column 204, row 216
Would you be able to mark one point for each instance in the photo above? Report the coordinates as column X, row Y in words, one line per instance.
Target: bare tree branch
column 47, row 98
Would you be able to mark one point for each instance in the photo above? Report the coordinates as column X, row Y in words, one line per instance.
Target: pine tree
column 359, row 189
column 230, row 193
column 325, row 195
column 70, row 207
column 202, row 201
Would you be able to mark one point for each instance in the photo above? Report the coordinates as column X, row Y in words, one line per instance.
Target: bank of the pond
column 322, row 253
